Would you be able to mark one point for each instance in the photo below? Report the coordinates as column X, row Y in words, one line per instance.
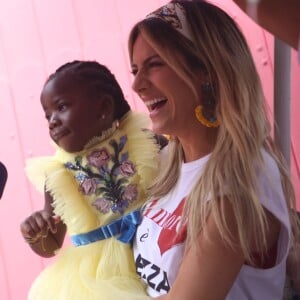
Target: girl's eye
column 62, row 106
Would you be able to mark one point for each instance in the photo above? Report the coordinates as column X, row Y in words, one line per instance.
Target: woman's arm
column 280, row 17
column 209, row 270
column 293, row 267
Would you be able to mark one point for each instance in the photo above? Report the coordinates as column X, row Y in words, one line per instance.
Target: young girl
column 94, row 186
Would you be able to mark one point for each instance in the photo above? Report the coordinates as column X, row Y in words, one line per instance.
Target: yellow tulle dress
column 97, row 193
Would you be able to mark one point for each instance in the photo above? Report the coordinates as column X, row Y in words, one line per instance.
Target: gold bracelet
column 39, row 237
column 33, row 240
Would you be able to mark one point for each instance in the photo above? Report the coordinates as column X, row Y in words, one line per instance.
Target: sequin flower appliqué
column 107, row 175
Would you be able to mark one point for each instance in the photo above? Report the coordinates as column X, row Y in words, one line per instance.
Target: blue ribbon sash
column 124, row 228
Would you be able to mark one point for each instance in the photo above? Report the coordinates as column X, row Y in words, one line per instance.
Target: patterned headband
column 175, row 15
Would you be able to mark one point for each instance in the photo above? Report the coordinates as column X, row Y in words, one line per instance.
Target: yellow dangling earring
column 212, row 122
column 209, row 101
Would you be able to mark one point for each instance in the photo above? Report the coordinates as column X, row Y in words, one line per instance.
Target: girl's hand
column 43, row 232
column 37, row 226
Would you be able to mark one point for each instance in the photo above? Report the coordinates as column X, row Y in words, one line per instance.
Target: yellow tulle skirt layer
column 101, row 270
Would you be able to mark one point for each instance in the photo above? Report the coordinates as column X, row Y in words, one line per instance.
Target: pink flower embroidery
column 130, row 192
column 102, row 204
column 88, row 186
column 98, row 158
column 110, row 182
column 127, row 168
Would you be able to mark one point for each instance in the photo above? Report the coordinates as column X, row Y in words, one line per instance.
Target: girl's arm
column 43, row 231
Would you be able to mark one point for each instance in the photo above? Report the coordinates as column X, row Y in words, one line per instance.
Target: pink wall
column 35, row 38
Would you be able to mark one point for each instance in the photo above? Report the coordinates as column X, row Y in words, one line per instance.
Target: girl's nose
column 53, row 121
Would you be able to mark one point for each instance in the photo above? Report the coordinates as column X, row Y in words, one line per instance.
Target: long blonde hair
column 220, row 50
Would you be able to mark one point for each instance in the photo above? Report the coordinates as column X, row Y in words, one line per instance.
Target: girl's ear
column 106, row 106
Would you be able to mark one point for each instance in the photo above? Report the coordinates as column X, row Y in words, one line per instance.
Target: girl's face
column 74, row 118
column 169, row 99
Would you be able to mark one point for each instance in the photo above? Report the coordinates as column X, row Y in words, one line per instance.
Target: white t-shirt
column 158, row 248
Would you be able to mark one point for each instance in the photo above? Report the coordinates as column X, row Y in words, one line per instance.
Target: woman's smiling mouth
column 155, row 103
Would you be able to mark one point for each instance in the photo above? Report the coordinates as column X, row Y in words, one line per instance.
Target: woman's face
column 169, row 99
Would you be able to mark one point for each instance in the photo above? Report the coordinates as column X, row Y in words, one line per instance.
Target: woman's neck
column 197, row 146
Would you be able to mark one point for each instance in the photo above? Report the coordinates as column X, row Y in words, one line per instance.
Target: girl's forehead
column 65, row 84
column 65, row 80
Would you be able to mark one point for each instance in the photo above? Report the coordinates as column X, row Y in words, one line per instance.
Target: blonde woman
column 219, row 224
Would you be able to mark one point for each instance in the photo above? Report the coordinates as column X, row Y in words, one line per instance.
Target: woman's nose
column 140, row 83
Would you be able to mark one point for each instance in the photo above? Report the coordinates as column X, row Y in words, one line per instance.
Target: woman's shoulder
column 270, row 166
column 271, row 188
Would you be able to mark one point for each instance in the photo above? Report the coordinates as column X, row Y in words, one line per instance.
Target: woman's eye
column 134, row 72
column 146, row 68
column 155, row 64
